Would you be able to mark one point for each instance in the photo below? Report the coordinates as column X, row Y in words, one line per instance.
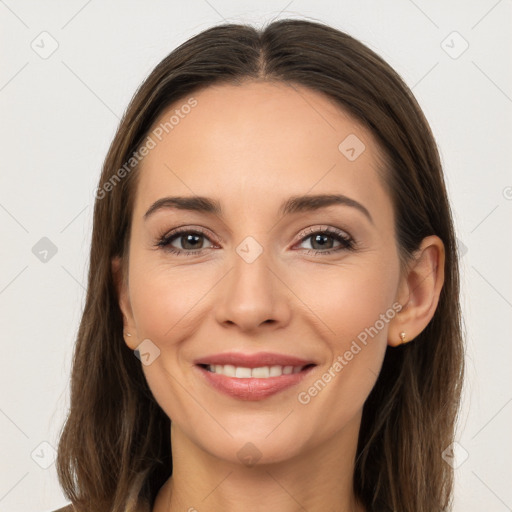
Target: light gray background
column 59, row 114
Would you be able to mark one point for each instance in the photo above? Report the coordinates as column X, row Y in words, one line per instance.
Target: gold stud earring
column 402, row 337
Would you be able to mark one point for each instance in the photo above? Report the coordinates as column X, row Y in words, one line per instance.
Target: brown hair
column 115, row 430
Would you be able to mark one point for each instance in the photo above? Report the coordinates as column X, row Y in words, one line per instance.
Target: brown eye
column 188, row 241
column 324, row 241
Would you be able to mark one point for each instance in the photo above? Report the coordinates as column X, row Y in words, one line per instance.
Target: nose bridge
column 251, row 261
column 252, row 294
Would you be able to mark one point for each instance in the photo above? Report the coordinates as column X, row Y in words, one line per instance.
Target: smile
column 252, row 376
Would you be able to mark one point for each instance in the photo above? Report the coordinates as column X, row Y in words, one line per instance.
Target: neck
column 318, row 480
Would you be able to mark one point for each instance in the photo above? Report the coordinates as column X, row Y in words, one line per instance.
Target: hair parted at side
column 115, row 431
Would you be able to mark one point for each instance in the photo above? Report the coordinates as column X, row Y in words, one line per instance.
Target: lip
column 252, row 388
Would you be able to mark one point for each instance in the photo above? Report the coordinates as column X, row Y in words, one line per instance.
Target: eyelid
column 191, row 228
column 323, row 228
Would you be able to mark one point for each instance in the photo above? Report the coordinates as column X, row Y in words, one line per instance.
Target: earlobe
column 420, row 292
column 129, row 340
column 129, row 334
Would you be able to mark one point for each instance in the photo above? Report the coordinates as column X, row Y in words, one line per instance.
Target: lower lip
column 252, row 388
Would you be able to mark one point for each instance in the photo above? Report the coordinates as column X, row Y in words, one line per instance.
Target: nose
column 252, row 295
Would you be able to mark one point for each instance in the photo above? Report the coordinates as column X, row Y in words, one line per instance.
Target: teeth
column 227, row 369
column 262, row 372
column 276, row 371
column 240, row 373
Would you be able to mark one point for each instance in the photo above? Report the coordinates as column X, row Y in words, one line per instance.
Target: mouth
column 252, row 376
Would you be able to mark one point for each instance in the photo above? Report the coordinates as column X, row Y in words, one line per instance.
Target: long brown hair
column 115, row 430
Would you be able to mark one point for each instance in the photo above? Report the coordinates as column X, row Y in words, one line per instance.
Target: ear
column 419, row 291
column 124, row 303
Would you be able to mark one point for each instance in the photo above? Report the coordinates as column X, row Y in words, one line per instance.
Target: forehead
column 262, row 142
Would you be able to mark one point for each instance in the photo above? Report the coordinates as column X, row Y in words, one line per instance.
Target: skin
column 251, row 147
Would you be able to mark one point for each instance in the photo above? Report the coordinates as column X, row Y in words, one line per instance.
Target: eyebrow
column 292, row 205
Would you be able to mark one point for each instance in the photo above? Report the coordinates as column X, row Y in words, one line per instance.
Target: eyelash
column 347, row 242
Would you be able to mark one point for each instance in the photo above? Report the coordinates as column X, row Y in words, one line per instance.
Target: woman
column 273, row 241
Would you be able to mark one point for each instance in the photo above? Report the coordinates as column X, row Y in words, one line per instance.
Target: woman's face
column 260, row 282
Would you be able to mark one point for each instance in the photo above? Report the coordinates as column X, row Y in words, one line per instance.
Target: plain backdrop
column 68, row 71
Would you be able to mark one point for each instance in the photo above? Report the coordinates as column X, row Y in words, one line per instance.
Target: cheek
column 354, row 305
column 163, row 299
column 350, row 298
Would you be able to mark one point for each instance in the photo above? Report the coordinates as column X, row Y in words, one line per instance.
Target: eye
column 191, row 241
column 322, row 241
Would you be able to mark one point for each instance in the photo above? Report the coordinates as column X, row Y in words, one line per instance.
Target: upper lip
column 253, row 360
